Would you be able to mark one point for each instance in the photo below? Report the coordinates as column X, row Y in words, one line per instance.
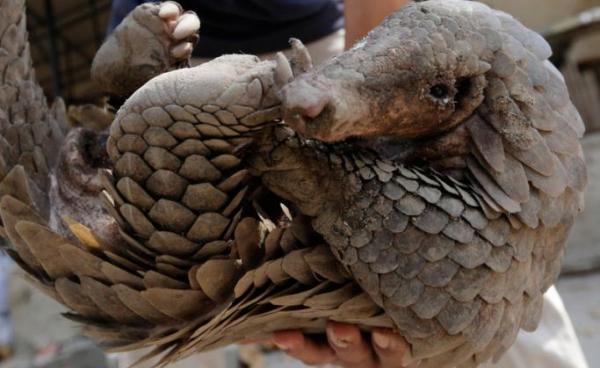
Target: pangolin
column 425, row 180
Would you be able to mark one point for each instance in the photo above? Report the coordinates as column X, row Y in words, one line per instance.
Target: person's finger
column 350, row 347
column 391, row 349
column 256, row 340
column 295, row 344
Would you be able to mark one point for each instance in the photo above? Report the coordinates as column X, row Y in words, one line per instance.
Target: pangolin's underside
column 425, row 180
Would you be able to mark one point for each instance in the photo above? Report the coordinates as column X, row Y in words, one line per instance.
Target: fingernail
column 281, row 346
column 279, row 342
column 407, row 358
column 381, row 340
column 339, row 342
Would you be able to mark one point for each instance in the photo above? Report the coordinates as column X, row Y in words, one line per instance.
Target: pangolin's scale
column 204, row 259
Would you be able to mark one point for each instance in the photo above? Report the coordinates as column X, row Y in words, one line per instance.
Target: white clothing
column 6, row 331
column 553, row 345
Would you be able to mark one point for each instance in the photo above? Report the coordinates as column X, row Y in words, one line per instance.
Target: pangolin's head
column 421, row 72
column 453, row 85
column 424, row 72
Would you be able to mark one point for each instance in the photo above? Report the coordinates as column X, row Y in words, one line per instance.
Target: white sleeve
column 5, row 324
column 553, row 345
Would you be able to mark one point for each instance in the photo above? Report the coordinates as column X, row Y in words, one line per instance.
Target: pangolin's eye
column 440, row 91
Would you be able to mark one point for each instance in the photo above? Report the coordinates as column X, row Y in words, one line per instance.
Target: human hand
column 348, row 348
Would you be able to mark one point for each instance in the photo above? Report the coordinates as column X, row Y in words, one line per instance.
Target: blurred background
column 64, row 36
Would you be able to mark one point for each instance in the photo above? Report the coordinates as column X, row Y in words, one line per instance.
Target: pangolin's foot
column 154, row 38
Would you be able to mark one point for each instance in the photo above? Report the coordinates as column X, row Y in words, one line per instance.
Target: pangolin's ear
column 470, row 93
column 460, row 102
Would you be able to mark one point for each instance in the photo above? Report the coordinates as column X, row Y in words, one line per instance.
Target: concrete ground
column 580, row 284
column 581, row 295
column 583, row 250
column 43, row 339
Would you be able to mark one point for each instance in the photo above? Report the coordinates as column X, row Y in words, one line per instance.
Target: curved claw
column 187, row 26
column 169, row 10
column 182, row 50
column 283, row 70
column 300, row 60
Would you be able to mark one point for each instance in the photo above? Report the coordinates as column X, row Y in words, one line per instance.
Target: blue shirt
column 252, row 26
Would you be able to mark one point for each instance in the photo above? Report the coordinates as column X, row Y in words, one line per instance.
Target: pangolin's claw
column 169, row 10
column 301, row 60
column 283, row 71
column 187, row 25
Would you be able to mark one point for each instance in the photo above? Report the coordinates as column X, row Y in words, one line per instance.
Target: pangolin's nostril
column 314, row 108
column 305, row 99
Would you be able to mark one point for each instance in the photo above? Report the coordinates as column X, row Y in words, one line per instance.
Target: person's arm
column 362, row 16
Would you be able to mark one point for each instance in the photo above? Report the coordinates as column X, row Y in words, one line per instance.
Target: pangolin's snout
column 304, row 106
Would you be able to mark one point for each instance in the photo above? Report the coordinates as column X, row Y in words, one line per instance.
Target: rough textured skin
column 441, row 211
column 140, row 48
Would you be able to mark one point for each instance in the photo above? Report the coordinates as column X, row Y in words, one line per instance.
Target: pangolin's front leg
column 70, row 185
column 154, row 38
